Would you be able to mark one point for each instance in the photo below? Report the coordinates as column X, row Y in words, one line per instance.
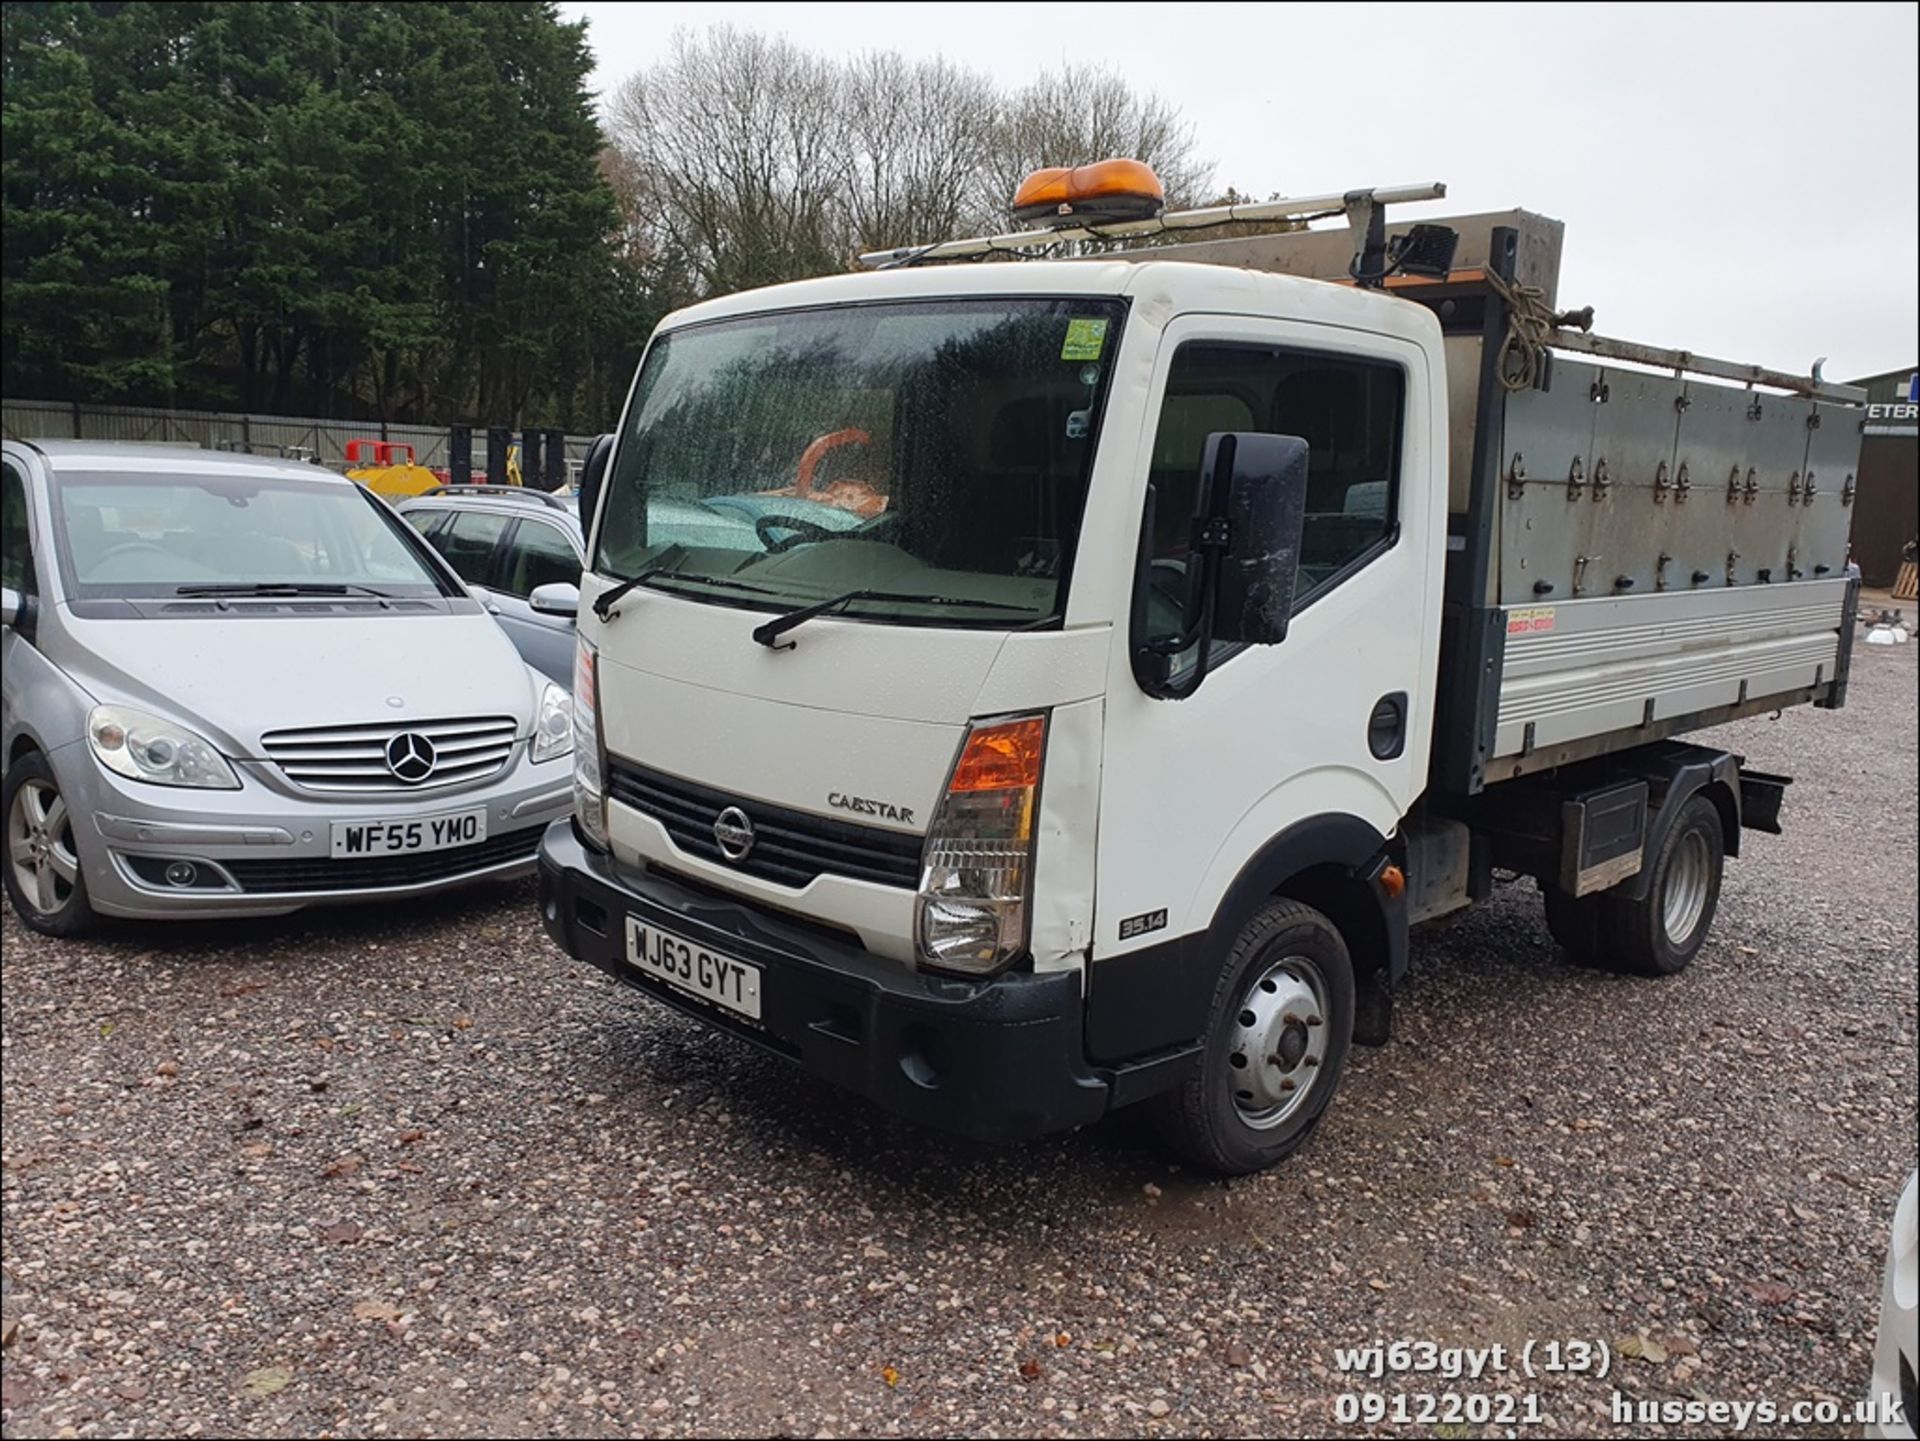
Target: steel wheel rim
column 1689, row 877
column 1277, row 1048
column 40, row 847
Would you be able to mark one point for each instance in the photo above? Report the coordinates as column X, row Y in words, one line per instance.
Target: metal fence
column 256, row 434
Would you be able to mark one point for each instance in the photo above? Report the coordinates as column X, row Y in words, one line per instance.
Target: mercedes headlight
column 553, row 727
column 144, row 747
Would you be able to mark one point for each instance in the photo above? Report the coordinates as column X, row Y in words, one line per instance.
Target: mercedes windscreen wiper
column 604, row 602
column 272, row 588
column 770, row 633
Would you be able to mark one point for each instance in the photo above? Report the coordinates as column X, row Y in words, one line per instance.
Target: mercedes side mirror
column 593, row 475
column 1258, row 492
column 556, row 597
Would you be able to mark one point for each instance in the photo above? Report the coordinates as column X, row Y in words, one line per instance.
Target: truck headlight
column 589, row 774
column 144, row 747
column 553, row 726
column 977, row 868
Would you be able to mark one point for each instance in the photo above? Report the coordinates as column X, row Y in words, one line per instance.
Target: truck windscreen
column 930, row 448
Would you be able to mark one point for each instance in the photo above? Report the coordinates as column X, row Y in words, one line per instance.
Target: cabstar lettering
column 886, row 810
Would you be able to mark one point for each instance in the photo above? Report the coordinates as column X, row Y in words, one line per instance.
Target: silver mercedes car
column 240, row 686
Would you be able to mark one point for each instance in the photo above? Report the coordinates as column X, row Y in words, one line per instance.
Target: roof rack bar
column 501, row 492
column 1684, row 361
column 1172, row 221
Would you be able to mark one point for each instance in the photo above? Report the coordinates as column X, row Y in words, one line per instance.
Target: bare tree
column 743, row 160
column 922, row 133
column 739, row 143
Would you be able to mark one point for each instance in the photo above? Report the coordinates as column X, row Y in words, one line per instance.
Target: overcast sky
column 1738, row 180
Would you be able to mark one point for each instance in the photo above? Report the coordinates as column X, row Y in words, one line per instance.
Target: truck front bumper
column 998, row 1059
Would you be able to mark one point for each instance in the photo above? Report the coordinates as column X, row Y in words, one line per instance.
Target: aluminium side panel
column 1629, row 667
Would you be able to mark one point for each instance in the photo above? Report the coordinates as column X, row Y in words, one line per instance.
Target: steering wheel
column 811, row 457
column 129, row 545
column 807, row 530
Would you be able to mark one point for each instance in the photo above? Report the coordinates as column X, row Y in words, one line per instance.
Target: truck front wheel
column 1659, row 933
column 1277, row 1036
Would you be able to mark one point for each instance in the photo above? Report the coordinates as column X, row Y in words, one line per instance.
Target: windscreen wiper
column 277, row 588
column 603, row 604
column 770, row 633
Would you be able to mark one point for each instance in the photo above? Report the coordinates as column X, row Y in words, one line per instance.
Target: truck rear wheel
column 1277, row 1036
column 1661, row 932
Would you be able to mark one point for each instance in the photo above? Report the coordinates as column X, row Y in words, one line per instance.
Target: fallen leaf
column 407, row 1138
column 1642, row 1348
column 1770, row 1293
column 1029, row 1370
column 1520, row 1220
column 1063, row 1340
column 1238, row 1354
column 345, row 1166
column 267, row 1380
column 890, row 1376
column 340, row 1233
column 1503, row 1160
column 251, row 988
column 167, row 1068
column 376, row 1311
column 463, row 1023
column 106, row 1029
column 9, row 1332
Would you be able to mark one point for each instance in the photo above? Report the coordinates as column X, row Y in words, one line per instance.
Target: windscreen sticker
column 1536, row 620
column 1086, row 338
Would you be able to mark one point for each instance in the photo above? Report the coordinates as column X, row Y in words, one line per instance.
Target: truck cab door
column 1335, row 721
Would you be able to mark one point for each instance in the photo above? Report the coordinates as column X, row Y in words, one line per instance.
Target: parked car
column 240, row 686
column 1896, row 1352
column 508, row 542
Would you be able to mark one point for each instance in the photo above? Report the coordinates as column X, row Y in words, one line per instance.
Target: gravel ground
column 413, row 1172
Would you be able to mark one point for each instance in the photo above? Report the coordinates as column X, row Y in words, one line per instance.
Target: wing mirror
column 556, row 597
column 593, row 475
column 1260, row 491
column 1245, row 556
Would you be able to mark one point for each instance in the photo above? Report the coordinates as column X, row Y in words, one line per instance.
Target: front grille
column 355, row 757
column 368, row 872
column 790, row 847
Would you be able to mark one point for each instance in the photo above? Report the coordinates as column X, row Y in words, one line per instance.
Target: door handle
column 1387, row 727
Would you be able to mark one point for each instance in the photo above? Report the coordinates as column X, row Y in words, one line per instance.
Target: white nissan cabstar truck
column 1112, row 658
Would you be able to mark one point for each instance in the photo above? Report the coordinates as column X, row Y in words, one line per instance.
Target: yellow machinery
column 387, row 467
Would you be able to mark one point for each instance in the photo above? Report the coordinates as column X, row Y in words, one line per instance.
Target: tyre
column 1660, row 933
column 1277, row 1035
column 42, row 867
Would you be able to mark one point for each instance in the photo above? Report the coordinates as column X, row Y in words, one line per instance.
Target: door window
column 16, row 536
column 539, row 554
column 1351, row 414
column 468, row 540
